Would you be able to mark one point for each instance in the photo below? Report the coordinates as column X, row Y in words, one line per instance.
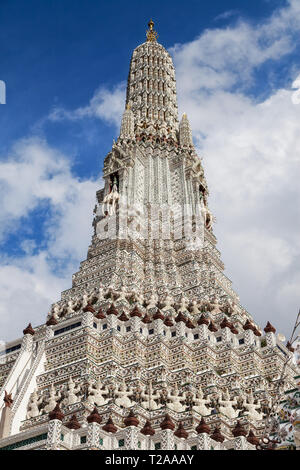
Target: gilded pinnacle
column 151, row 33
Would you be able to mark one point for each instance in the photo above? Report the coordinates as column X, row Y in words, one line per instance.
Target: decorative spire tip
column 151, row 33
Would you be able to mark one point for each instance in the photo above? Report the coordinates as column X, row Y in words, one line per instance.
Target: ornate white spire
column 185, row 133
column 153, row 275
column 127, row 125
column 151, row 89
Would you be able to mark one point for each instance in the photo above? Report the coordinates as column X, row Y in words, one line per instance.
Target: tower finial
column 151, row 33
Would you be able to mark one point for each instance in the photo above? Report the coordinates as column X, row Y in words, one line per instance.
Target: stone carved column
column 226, row 335
column 158, row 327
column 131, row 438
column 204, row 442
column 240, row 443
column 235, row 341
column 6, row 416
column 88, row 319
column 93, row 437
column 54, row 429
column 54, row 435
column 180, row 329
column 112, row 322
column 167, row 438
column 271, row 340
column 49, row 333
column 27, row 341
column 270, row 335
column 113, row 442
column 135, row 324
column 203, row 332
column 249, row 338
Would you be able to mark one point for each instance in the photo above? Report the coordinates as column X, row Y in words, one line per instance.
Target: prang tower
column 150, row 348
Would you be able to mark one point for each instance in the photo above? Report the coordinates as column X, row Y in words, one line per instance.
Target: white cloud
column 36, row 174
column 27, row 288
column 264, row 256
column 226, row 15
column 33, row 172
column 225, row 59
column 105, row 104
column 251, row 157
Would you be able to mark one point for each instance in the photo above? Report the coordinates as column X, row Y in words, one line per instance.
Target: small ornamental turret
column 181, row 432
column 185, row 133
column 234, row 331
column 252, row 439
column 94, row 417
column 239, row 430
column 167, row 423
column 168, row 322
column 158, row 315
column 135, row 312
column 216, row 435
column 73, row 423
column 127, row 125
column 290, row 347
column 225, row 324
column 203, row 427
column 147, row 429
column 56, row 414
column 112, row 310
column 190, row 324
column 146, row 319
column 248, row 326
column 89, row 308
column 29, row 330
column 109, row 426
column 257, row 332
column 52, row 321
column 8, row 401
column 131, row 420
column 203, row 321
column 212, row 327
column 269, row 328
column 180, row 317
column 123, row 317
column 100, row 315
column 270, row 335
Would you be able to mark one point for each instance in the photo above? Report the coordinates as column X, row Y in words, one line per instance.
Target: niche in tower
column 113, row 177
column 203, row 193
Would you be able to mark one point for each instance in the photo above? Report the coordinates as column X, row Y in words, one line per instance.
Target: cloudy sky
column 65, row 65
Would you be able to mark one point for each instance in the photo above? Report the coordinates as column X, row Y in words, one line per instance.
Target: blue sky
column 58, row 52
column 65, row 64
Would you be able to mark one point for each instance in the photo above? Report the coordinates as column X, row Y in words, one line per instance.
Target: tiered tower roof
column 150, row 345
